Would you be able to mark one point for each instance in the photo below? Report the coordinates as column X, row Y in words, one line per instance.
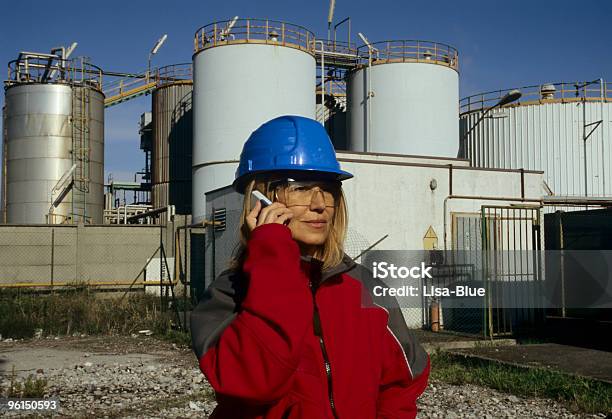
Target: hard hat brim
column 290, row 171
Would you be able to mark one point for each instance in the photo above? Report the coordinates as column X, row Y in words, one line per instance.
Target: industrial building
column 431, row 172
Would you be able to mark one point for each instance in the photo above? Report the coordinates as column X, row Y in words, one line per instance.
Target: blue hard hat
column 288, row 143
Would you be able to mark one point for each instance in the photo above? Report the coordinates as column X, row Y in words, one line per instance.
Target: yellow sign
column 430, row 240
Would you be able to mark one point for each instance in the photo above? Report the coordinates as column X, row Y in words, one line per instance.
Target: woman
column 291, row 330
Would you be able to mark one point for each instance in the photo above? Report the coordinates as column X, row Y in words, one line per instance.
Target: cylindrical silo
column 560, row 128
column 245, row 74
column 402, row 98
column 54, row 131
column 172, row 139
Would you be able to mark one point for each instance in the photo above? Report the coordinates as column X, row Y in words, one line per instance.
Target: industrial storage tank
column 54, row 144
column 172, row 138
column 560, row 128
column 402, row 98
column 246, row 72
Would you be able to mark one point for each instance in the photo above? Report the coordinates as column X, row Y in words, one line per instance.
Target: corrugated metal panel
column 546, row 137
column 172, row 146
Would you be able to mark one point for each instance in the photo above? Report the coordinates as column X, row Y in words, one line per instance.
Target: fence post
column 161, row 268
column 52, row 253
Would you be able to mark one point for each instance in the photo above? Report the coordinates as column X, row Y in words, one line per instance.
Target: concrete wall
column 66, row 254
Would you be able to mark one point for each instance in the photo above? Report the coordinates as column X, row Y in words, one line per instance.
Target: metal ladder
column 81, row 97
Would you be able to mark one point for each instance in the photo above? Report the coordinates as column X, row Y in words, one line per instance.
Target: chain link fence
column 38, row 256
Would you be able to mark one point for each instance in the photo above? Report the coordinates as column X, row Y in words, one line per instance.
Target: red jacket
column 284, row 340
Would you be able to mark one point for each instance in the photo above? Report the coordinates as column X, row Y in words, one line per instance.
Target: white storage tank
column 246, row 72
column 545, row 131
column 54, row 119
column 404, row 100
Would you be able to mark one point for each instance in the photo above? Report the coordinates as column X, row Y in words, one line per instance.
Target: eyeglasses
column 302, row 192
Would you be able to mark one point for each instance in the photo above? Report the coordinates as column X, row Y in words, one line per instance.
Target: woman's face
column 313, row 210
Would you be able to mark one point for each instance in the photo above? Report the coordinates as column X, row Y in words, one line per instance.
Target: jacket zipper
column 318, row 330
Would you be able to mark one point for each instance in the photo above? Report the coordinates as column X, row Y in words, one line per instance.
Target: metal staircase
column 81, row 110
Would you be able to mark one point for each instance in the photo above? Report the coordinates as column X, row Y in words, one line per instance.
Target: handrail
column 174, row 73
column 541, row 93
column 125, row 88
column 53, row 69
column 339, row 47
column 409, row 50
column 266, row 31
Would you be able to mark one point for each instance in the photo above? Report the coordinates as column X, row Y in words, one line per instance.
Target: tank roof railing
column 174, row 73
column 33, row 67
column 339, row 47
column 409, row 51
column 256, row 31
column 563, row 92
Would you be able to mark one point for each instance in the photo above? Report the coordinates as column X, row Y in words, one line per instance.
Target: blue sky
column 501, row 44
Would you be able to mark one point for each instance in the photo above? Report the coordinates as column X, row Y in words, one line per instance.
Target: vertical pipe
column 322, row 79
column 161, row 268
column 603, row 152
column 214, row 253
column 52, row 253
column 562, row 246
column 584, row 143
column 368, row 102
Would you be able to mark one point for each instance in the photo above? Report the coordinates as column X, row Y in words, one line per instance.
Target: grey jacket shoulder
column 415, row 354
column 216, row 310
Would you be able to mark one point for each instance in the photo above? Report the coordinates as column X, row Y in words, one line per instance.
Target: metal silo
column 172, row 139
column 402, row 98
column 54, row 141
column 562, row 129
column 246, row 72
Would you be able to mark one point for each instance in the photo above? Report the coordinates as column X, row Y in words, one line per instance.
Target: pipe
column 322, row 78
column 603, row 154
column 368, row 103
column 89, row 284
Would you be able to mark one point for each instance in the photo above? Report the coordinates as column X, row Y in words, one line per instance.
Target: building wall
column 391, row 195
column 403, row 185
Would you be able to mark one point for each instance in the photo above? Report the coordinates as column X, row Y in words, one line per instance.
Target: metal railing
column 339, row 47
column 402, row 51
column 263, row 31
column 33, row 67
column 541, row 93
column 174, row 73
column 119, row 89
column 125, row 88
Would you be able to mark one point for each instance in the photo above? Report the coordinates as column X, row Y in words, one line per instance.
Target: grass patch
column 80, row 310
column 31, row 387
column 579, row 394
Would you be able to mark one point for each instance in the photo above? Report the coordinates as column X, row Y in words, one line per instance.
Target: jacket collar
column 345, row 265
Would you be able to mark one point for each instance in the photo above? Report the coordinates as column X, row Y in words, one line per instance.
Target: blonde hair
column 330, row 253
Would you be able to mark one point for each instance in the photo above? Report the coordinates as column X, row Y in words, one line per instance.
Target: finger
column 263, row 215
column 251, row 218
column 284, row 218
column 273, row 214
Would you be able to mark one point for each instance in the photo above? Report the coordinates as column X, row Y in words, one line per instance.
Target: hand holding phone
column 267, row 212
column 261, row 197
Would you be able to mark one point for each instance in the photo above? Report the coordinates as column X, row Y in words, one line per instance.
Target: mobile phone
column 262, row 198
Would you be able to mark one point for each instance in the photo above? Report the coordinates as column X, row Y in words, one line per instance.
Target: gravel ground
column 142, row 377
